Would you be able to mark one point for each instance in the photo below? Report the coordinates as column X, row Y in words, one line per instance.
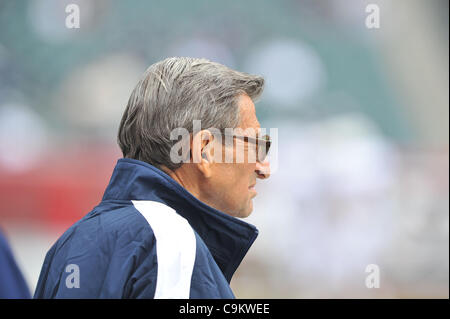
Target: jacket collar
column 227, row 238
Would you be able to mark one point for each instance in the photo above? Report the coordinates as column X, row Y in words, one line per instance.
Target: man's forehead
column 247, row 113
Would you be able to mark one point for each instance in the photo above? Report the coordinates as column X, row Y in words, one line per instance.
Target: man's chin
column 247, row 211
column 245, row 215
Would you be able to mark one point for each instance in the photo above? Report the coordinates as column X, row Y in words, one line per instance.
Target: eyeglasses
column 262, row 144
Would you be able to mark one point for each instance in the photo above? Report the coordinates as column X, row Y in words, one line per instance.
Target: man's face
column 231, row 187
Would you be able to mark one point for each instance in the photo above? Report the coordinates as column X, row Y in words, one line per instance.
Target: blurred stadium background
column 362, row 117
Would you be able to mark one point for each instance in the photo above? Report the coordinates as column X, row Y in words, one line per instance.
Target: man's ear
column 203, row 152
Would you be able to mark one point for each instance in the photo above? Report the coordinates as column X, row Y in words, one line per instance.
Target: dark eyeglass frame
column 262, row 144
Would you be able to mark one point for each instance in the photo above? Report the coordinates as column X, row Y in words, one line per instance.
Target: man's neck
column 185, row 177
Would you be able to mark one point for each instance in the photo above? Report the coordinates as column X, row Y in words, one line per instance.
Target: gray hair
column 172, row 94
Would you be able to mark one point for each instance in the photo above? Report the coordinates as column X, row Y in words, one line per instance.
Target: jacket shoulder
column 109, row 247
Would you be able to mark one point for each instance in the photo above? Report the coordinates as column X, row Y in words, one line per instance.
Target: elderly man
column 165, row 228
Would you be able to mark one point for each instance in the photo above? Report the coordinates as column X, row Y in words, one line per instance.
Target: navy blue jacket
column 12, row 283
column 148, row 238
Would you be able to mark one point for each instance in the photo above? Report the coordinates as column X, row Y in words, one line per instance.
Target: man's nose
column 262, row 169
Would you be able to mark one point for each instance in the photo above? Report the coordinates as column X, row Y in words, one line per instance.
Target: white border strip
column 175, row 249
